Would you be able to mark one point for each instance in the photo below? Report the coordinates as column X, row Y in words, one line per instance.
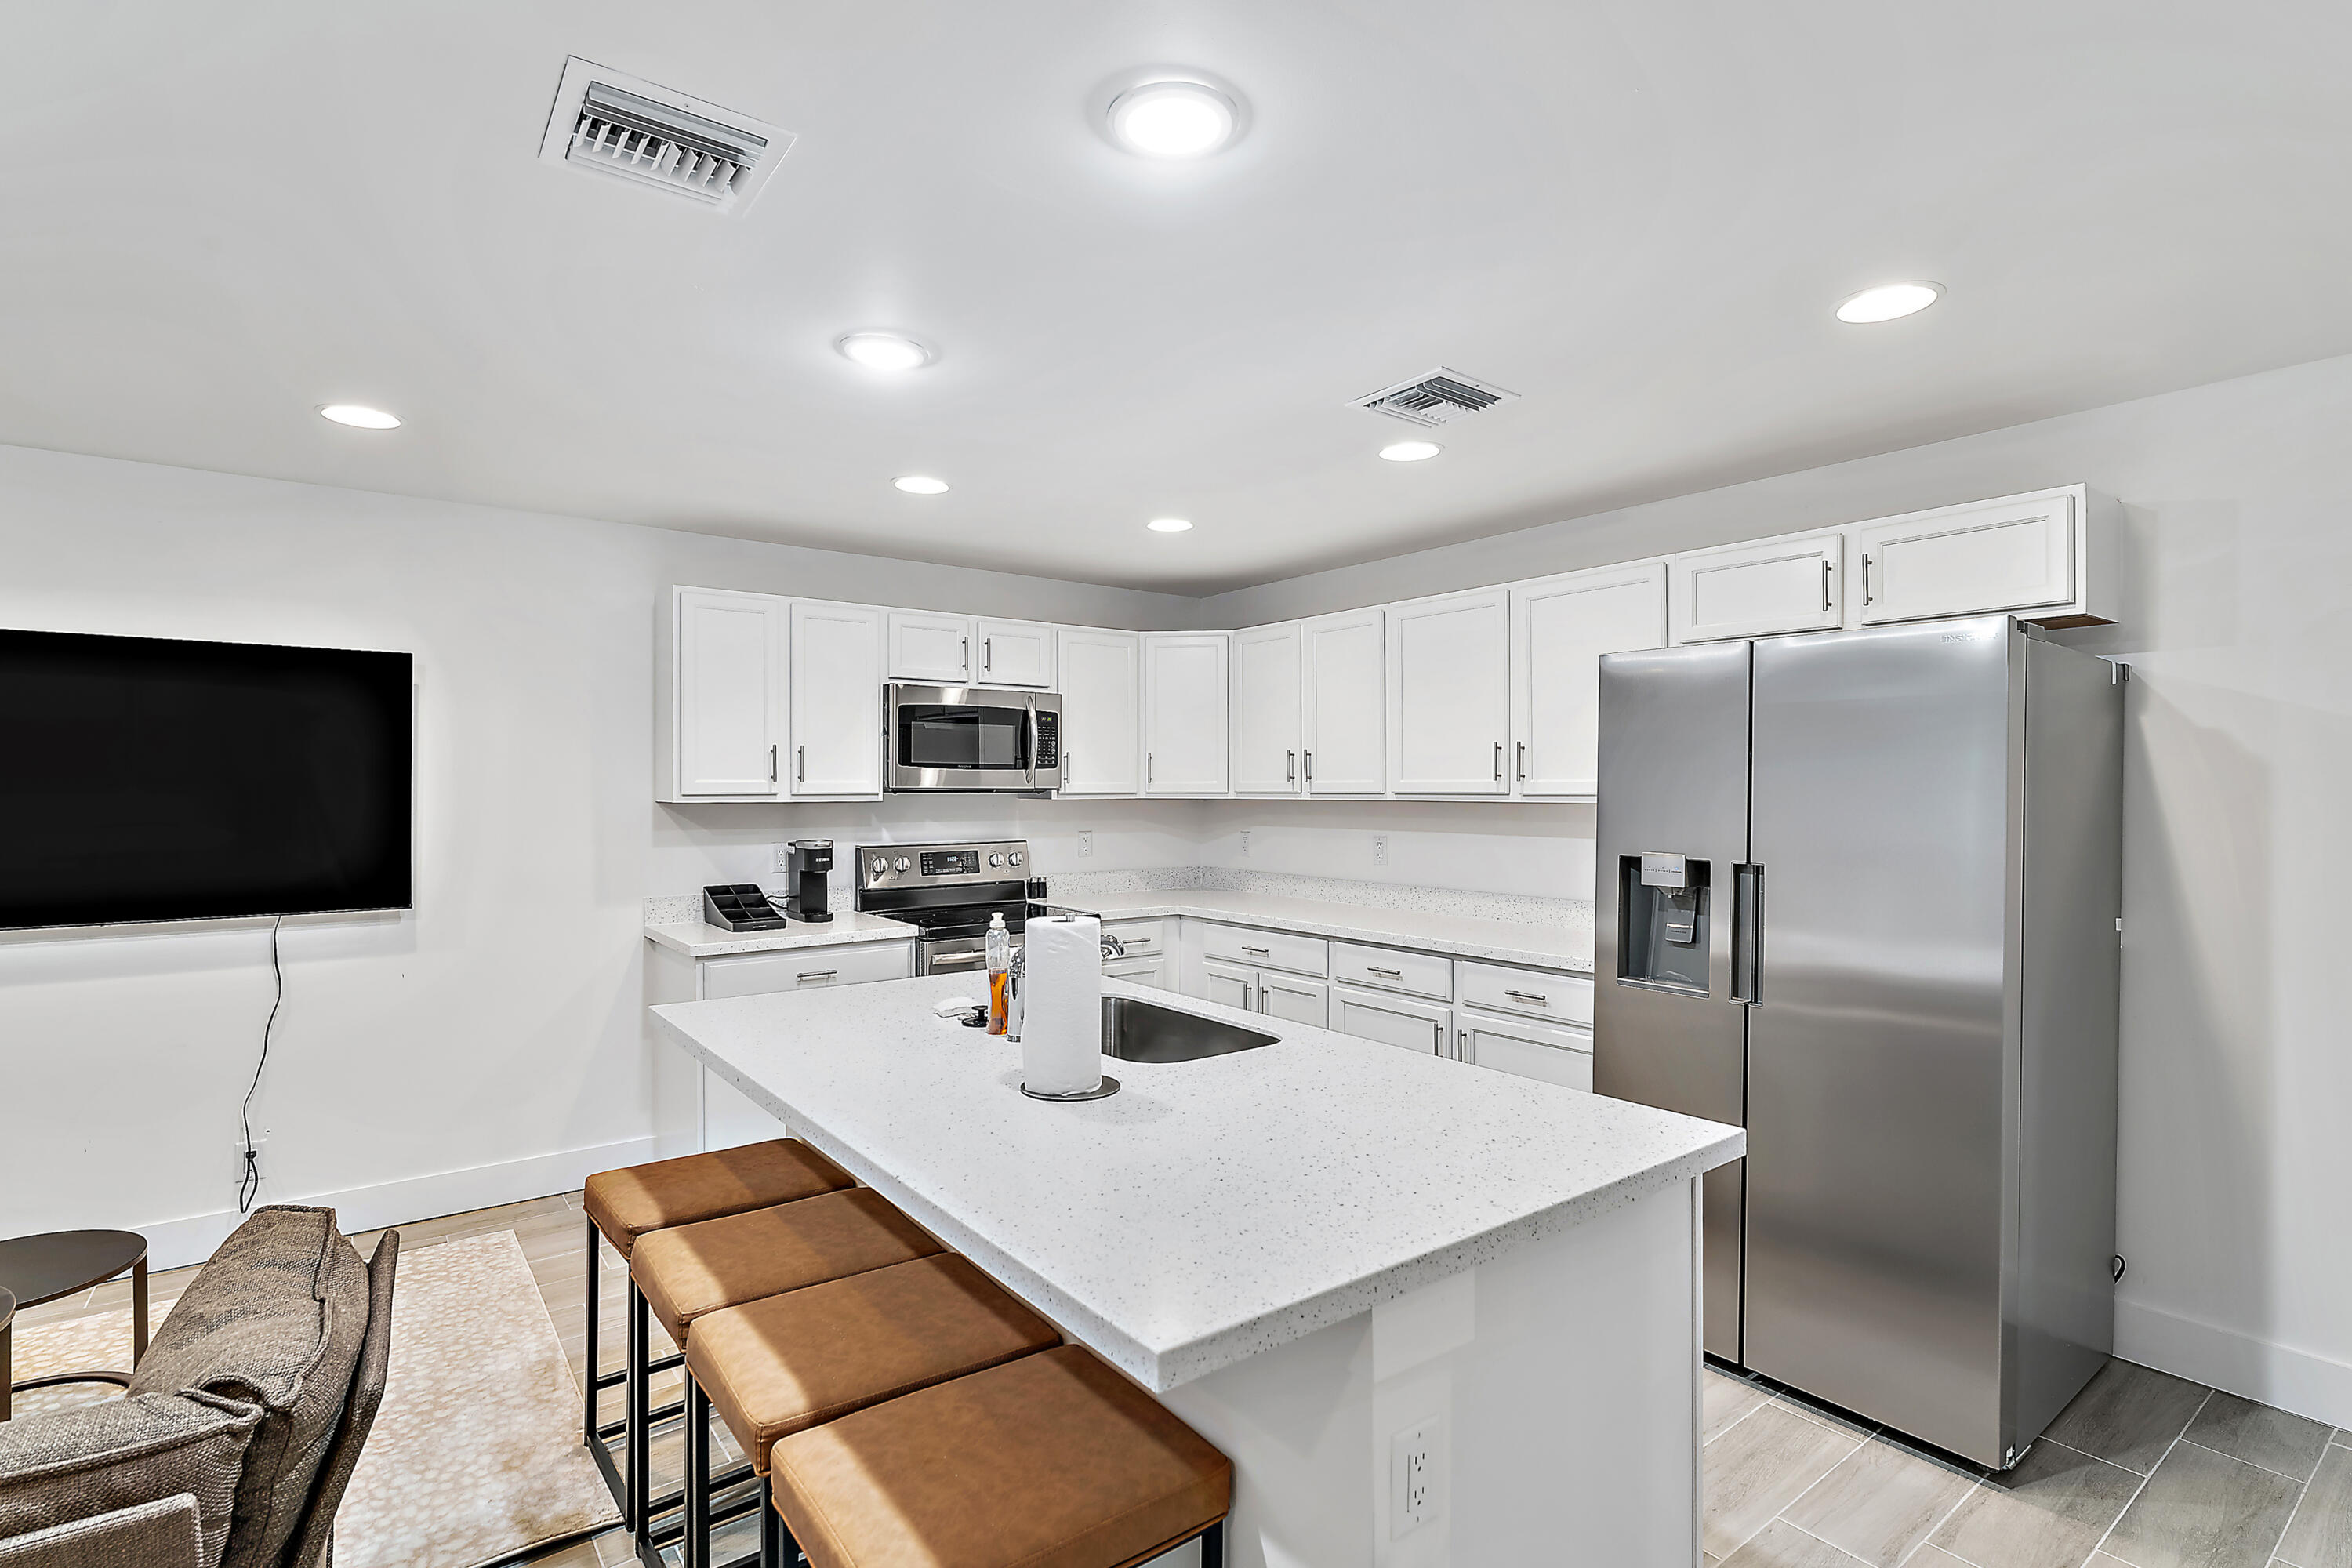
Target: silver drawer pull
column 1136, row 941
column 1261, row 952
column 1537, row 997
column 1392, row 973
column 809, row 974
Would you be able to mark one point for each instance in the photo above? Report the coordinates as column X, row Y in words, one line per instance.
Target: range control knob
column 1016, row 857
column 879, row 865
column 996, row 859
column 903, row 862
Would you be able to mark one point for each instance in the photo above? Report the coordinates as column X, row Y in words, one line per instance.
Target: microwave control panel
column 1049, row 742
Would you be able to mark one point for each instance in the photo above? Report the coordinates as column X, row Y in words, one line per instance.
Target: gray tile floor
column 2143, row 1470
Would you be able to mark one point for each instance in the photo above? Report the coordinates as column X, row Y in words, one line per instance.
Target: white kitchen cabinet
column 1102, row 712
column 1564, row 1057
column 725, row 698
column 1449, row 694
column 1151, row 971
column 1016, row 653
column 936, row 650
column 1269, row 949
column 1343, row 707
column 805, row 968
column 1266, row 708
column 1773, row 585
column 1528, row 993
column 1185, row 696
column 1392, row 969
column 1393, row 1020
column 836, row 664
column 1559, row 628
column 1229, row 985
column 1295, row 999
column 2017, row 554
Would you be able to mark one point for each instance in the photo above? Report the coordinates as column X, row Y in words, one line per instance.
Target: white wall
column 1544, row 851
column 2236, row 566
column 485, row 1047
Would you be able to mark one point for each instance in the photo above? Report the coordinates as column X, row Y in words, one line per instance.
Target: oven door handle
column 950, row 963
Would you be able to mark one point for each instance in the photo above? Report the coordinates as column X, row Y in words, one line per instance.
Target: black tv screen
column 146, row 779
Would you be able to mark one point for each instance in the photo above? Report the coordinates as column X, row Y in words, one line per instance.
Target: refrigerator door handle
column 1747, row 933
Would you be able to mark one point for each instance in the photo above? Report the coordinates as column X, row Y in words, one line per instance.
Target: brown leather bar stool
column 688, row 1271
column 1050, row 1461
column 774, row 1367
column 627, row 1204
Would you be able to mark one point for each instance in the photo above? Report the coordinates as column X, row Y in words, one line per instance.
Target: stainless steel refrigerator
column 1861, row 891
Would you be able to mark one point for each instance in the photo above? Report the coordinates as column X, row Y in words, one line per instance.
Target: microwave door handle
column 1029, row 712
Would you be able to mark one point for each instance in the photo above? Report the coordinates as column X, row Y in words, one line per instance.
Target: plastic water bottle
column 999, row 964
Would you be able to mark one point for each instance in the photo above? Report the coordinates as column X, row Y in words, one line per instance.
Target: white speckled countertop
column 1211, row 1209
column 1568, row 945
column 697, row 940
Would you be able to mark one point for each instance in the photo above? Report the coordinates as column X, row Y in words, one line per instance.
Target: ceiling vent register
column 1437, row 398
column 615, row 123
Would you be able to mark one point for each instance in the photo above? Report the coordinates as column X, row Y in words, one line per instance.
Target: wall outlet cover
column 237, row 1157
column 1415, row 1494
column 1085, row 844
column 1379, row 848
column 1246, row 833
column 779, row 857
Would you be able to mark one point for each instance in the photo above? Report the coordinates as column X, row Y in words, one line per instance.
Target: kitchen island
column 1324, row 1254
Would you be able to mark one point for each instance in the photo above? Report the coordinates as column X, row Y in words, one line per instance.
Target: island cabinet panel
column 2007, row 555
column 1102, row 712
column 1393, row 1020
column 1343, row 706
column 1758, row 590
column 836, row 700
column 1266, row 710
column 1185, row 697
column 1561, row 628
column 1016, row 653
column 726, row 698
column 1449, row 694
column 931, row 649
column 1558, row 1056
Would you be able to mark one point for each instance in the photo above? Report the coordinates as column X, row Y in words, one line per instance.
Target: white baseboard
column 174, row 1243
column 2302, row 1381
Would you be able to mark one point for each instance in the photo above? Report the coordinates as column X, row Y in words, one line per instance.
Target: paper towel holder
column 1103, row 1090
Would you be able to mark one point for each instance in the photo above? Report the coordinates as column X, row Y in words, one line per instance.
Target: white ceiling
column 1637, row 214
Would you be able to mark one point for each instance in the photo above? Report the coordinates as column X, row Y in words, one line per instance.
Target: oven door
column 956, row 955
column 972, row 737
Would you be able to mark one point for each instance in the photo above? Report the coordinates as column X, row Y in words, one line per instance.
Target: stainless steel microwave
column 970, row 738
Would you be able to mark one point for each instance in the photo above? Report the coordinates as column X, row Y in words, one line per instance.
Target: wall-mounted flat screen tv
column 147, row 779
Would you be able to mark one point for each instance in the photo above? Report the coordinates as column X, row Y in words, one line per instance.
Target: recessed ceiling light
column 883, row 351
column 920, row 485
column 1171, row 119
column 1168, row 525
column 1889, row 301
column 1410, row 451
column 360, row 417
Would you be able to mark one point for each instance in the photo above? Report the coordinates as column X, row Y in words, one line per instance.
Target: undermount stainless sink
column 1138, row 1031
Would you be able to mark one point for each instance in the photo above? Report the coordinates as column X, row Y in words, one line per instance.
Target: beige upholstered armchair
column 238, row 1436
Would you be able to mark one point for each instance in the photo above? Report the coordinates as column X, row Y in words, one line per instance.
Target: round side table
column 37, row 1268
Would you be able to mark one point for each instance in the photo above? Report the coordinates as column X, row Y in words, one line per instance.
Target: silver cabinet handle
column 1261, row 952
column 1310, row 765
column 1498, row 760
column 1825, row 584
column 1523, row 759
column 1537, row 997
column 988, row 655
column 809, row 974
column 799, row 764
column 1866, row 582
column 1136, row 941
column 1462, row 1046
column 1147, row 767
column 1392, row 973
column 964, row 664
column 1290, row 767
column 772, row 764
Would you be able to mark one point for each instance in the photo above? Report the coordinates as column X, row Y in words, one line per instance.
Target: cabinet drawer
column 800, row 969
column 1564, row 1057
column 1268, row 948
column 1152, row 972
column 1144, row 939
column 1421, row 973
column 1529, row 993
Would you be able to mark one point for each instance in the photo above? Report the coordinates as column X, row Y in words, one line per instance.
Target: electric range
column 949, row 891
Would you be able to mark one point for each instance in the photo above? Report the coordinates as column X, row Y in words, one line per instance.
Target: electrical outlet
column 1415, row 1494
column 261, row 1157
column 779, row 857
column 1085, row 844
column 1246, row 833
column 1379, row 848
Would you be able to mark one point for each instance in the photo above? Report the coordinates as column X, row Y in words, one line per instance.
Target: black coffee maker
column 804, row 889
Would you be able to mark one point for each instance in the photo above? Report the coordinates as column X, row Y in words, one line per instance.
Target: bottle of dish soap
column 999, row 964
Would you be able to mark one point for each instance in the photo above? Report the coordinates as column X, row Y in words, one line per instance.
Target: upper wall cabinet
column 1016, row 653
column 1758, row 590
column 2015, row 555
column 1449, row 686
column 1102, row 713
column 1185, row 743
column 1559, row 628
column 1266, row 710
column 719, row 717
column 935, row 650
column 1343, row 710
column 836, row 664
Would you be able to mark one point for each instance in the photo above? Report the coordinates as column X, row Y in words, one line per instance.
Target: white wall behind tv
column 485, row 1047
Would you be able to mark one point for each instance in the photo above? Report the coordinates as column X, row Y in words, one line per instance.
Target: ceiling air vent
column 1438, row 398
column 618, row 125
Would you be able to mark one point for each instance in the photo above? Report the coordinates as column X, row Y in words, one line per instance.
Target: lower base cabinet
column 728, row 1117
column 1294, row 998
column 1151, row 971
column 1564, row 1057
column 1416, row 1026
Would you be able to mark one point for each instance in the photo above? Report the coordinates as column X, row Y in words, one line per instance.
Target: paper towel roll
column 1061, row 1006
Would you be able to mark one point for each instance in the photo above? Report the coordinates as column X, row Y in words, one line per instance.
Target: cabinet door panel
column 935, row 649
column 1564, row 1057
column 1102, row 712
column 1758, row 590
column 1966, row 561
column 837, row 683
column 1449, row 694
column 1185, row 746
column 1295, row 1001
column 1559, row 629
column 1392, row 1020
column 1343, row 718
column 1230, row 985
column 1016, row 652
column 1266, row 710
column 729, row 673
column 1152, row 972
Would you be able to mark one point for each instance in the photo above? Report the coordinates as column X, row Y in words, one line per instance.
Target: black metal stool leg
column 771, row 1527
column 640, row 1435
column 697, row 1552
column 1213, row 1546
column 595, row 1267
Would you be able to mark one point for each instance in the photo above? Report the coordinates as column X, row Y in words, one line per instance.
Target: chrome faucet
column 1112, row 947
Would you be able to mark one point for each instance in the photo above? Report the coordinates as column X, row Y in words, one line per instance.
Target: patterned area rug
column 476, row 1451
